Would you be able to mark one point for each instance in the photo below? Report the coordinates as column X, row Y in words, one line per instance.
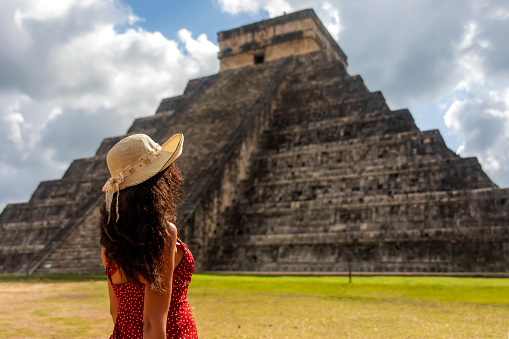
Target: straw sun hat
column 136, row 159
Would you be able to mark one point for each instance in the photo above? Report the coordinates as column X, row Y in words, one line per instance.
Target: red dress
column 180, row 323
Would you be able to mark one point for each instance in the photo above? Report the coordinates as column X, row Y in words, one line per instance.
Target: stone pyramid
column 291, row 165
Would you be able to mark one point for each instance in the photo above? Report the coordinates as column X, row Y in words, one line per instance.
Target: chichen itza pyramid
column 291, row 165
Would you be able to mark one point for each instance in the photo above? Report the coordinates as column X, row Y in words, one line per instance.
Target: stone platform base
column 369, row 274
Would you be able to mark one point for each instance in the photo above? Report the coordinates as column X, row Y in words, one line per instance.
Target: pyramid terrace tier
column 49, row 209
column 86, row 259
column 284, row 172
column 17, row 248
column 327, row 79
column 379, row 177
column 315, row 66
column 54, row 200
column 105, row 147
column 351, row 151
column 290, row 114
column 10, row 258
column 432, row 250
column 326, row 74
column 317, row 165
column 27, row 234
column 452, row 209
column 326, row 87
column 338, row 129
column 350, row 92
column 71, row 189
column 179, row 103
column 81, row 249
column 93, row 168
column 170, row 109
column 335, row 115
column 169, row 105
column 150, row 125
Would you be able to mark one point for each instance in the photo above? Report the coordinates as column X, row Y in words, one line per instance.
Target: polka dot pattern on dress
column 180, row 322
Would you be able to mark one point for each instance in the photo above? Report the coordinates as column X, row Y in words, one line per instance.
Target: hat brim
column 171, row 150
column 173, row 145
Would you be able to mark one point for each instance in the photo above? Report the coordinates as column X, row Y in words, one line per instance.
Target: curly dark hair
column 137, row 241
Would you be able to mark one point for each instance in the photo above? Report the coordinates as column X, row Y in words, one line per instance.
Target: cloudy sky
column 73, row 72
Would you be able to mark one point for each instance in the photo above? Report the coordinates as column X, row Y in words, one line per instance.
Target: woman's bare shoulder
column 172, row 230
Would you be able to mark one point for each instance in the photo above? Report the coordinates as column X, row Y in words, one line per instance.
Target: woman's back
column 130, row 297
column 148, row 294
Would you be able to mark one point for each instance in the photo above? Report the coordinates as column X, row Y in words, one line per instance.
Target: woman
column 148, row 267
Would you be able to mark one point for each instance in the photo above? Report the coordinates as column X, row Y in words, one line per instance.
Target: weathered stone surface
column 291, row 165
column 331, row 185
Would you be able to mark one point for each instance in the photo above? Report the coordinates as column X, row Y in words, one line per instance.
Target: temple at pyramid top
column 291, row 34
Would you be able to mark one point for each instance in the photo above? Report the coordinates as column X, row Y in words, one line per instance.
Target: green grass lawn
column 274, row 307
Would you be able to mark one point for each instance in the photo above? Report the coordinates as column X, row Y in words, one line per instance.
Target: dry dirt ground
column 281, row 307
column 54, row 310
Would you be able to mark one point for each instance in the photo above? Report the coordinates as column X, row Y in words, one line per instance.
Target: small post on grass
column 349, row 272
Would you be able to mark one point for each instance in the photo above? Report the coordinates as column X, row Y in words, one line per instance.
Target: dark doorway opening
column 258, row 59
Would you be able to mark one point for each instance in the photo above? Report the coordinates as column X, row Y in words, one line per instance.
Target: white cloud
column 43, row 11
column 273, row 7
column 201, row 50
column 238, row 6
column 479, row 112
column 483, row 125
column 328, row 12
column 332, row 20
column 80, row 71
column 277, row 7
column 15, row 120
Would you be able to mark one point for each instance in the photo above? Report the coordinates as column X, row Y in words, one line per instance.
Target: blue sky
column 73, row 72
column 168, row 17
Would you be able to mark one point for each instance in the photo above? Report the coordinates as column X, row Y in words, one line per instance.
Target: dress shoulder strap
column 111, row 268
